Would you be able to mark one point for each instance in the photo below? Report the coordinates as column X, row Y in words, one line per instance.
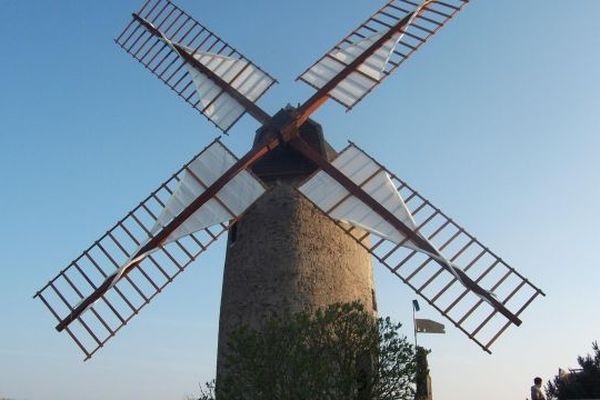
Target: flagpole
column 415, row 324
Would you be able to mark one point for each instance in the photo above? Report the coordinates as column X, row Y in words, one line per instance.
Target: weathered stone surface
column 286, row 255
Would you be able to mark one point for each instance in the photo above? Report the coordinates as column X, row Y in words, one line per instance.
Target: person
column 536, row 390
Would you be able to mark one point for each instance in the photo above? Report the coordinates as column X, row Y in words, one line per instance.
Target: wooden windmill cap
column 284, row 163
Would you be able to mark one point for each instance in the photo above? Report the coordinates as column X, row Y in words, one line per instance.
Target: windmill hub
column 285, row 163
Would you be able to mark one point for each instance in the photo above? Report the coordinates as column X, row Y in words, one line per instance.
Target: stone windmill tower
column 284, row 254
column 304, row 221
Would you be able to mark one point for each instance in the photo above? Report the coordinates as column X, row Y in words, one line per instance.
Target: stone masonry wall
column 287, row 255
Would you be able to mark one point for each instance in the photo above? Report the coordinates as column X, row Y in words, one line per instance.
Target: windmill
column 348, row 196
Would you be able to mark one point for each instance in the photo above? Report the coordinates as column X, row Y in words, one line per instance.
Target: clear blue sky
column 496, row 120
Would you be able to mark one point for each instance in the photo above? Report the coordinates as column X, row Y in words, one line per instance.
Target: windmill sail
column 209, row 74
column 215, row 103
column 103, row 264
column 462, row 292
column 229, row 203
column 337, row 202
column 370, row 53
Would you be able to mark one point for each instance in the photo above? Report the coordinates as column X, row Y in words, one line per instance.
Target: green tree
column 340, row 352
column 583, row 383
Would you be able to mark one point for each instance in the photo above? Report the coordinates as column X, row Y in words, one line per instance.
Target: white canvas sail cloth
column 357, row 84
column 336, row 201
column 229, row 203
column 331, row 197
column 217, row 105
column 367, row 75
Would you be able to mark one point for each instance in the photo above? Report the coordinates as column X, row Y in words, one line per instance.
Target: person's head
column 537, row 381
